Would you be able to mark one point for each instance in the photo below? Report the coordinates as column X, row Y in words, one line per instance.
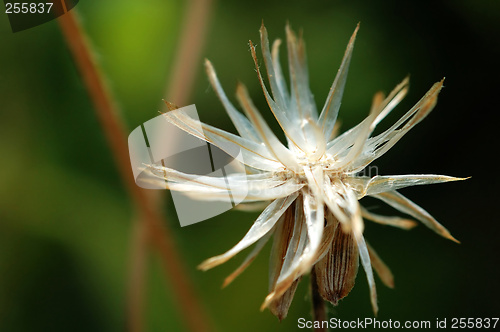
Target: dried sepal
column 284, row 241
column 403, row 204
column 380, row 267
column 399, row 222
column 336, row 271
column 279, row 306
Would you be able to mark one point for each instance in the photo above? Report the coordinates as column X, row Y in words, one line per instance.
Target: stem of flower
column 318, row 304
column 107, row 112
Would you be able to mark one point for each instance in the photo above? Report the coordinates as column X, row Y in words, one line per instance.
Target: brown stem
column 318, row 304
column 107, row 112
column 187, row 58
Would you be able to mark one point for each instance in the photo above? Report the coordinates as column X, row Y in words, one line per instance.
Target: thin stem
column 193, row 314
column 318, row 304
column 187, row 58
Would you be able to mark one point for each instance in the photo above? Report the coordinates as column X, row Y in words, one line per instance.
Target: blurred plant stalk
column 150, row 226
column 188, row 56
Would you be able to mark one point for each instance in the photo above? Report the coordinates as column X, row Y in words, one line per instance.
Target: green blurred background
column 66, row 220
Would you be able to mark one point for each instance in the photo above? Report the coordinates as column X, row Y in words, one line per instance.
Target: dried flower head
column 311, row 187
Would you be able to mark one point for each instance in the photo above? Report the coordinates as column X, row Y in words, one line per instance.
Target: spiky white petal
column 264, row 223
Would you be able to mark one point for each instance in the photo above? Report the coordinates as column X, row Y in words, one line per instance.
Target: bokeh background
column 66, row 219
